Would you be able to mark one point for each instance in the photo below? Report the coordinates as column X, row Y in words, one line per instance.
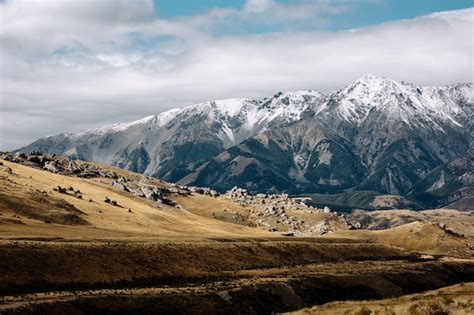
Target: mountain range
column 375, row 134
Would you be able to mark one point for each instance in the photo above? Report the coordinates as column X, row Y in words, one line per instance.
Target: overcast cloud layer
column 69, row 66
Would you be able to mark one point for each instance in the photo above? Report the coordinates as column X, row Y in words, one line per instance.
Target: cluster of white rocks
column 141, row 188
column 273, row 203
column 272, row 212
column 268, row 211
column 58, row 165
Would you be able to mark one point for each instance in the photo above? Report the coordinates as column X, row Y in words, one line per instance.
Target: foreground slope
column 44, row 195
column 52, row 190
column 31, row 207
column 79, row 237
column 455, row 299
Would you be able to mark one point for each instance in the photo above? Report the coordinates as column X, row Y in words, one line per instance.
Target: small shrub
column 436, row 309
column 363, row 311
column 61, row 190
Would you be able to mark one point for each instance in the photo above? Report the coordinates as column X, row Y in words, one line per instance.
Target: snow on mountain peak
column 241, row 118
column 415, row 105
column 235, row 119
column 373, row 83
column 369, row 78
column 226, row 107
column 161, row 145
column 164, row 117
column 114, row 127
column 232, row 106
column 355, row 100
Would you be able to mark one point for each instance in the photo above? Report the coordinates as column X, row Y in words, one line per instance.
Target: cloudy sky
column 67, row 66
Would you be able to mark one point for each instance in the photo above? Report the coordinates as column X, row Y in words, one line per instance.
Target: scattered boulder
column 196, row 190
column 35, row 159
column 60, row 190
column 20, row 155
column 8, row 157
column 51, row 167
column 7, row 169
column 61, row 165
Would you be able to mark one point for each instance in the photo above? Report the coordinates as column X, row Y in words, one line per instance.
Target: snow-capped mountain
column 415, row 106
column 374, row 134
column 170, row 144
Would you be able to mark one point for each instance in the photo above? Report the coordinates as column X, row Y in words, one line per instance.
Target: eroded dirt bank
column 209, row 277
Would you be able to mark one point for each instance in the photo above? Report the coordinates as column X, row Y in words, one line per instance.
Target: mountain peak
column 303, row 140
column 372, row 79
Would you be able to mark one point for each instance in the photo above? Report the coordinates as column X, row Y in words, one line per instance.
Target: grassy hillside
column 30, row 206
column 83, row 243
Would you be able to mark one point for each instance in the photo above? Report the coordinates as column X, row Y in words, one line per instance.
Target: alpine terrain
column 375, row 136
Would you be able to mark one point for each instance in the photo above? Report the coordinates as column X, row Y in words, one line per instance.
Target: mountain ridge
column 374, row 134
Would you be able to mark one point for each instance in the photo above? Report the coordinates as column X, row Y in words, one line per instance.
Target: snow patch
column 438, row 184
column 165, row 117
column 325, row 154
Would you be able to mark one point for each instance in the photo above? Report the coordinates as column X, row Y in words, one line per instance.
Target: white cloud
column 70, row 67
column 258, row 5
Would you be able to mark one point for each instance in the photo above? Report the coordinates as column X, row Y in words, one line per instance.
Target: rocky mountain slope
column 173, row 143
column 449, row 184
column 375, row 134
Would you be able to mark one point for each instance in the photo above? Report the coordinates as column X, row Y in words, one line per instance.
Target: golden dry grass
column 457, row 300
column 105, row 220
column 92, row 245
column 422, row 237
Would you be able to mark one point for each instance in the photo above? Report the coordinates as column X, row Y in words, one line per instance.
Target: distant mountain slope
column 168, row 145
column 375, row 134
column 451, row 183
